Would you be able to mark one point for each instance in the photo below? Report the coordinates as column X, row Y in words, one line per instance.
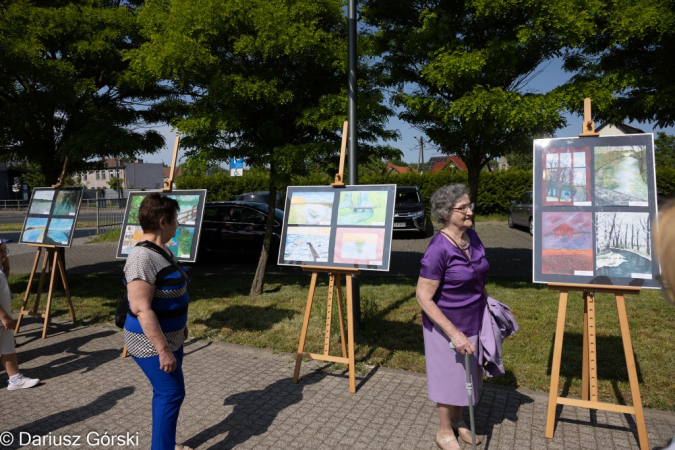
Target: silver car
column 520, row 212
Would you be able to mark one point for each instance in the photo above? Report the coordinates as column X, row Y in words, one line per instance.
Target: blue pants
column 168, row 392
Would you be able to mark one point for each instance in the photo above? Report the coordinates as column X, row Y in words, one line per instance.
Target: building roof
column 398, row 169
column 564, row 227
column 176, row 173
column 437, row 163
column 622, row 127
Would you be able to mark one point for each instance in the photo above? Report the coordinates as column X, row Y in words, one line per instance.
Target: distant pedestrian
column 7, row 346
column 156, row 325
column 450, row 292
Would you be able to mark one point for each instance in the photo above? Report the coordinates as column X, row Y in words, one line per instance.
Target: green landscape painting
column 134, row 205
column 181, row 244
column 67, row 202
column 362, row 208
column 188, row 208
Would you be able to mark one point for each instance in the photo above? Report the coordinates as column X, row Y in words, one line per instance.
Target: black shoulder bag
column 122, row 308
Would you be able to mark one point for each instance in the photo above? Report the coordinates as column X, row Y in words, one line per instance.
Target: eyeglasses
column 464, row 208
column 666, row 291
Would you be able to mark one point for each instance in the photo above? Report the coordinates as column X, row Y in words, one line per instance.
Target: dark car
column 520, row 212
column 260, row 197
column 409, row 212
column 238, row 228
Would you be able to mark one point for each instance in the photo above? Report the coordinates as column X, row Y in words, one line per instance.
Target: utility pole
column 353, row 136
column 420, row 157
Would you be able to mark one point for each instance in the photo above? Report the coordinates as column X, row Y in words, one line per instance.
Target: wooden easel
column 335, row 280
column 589, row 380
column 168, row 186
column 55, row 255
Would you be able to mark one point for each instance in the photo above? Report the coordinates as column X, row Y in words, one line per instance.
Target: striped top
column 170, row 294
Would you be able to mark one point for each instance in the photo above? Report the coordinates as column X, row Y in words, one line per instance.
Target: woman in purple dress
column 450, row 292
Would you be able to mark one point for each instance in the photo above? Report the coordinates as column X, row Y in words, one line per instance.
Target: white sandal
column 441, row 442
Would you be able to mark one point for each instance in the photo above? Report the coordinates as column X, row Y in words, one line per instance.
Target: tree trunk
column 473, row 178
column 259, row 278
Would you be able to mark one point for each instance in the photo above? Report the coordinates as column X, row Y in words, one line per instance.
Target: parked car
column 409, row 212
column 260, row 197
column 520, row 212
column 238, row 228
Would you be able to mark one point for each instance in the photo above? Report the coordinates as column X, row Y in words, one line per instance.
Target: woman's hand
column 462, row 344
column 8, row 321
column 185, row 331
column 167, row 361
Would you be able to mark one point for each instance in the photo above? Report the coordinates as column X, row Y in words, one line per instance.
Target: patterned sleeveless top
column 170, row 294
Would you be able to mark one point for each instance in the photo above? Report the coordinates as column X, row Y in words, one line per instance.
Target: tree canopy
column 60, row 89
column 460, row 68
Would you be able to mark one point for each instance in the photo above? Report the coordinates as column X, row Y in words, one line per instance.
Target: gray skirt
column 446, row 374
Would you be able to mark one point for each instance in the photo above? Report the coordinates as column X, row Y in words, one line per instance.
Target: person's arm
column 140, row 300
column 5, row 266
column 426, row 289
column 7, row 320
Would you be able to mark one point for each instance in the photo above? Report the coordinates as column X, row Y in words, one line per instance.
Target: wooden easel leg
column 632, row 373
column 329, row 314
column 50, row 295
column 62, row 270
column 124, row 351
column 342, row 319
column 41, row 284
column 350, row 335
column 27, row 294
column 592, row 349
column 555, row 366
column 305, row 324
column 584, row 364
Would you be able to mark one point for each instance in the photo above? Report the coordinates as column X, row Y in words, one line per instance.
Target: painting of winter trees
column 623, row 245
column 621, row 175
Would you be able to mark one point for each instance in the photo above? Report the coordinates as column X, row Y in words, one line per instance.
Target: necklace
column 464, row 245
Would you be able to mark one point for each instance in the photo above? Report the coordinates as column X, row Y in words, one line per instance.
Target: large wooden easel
column 56, row 256
column 589, row 370
column 335, row 281
column 347, row 358
column 168, row 187
column 589, row 379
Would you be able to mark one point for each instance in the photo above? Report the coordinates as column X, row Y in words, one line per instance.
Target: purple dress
column 460, row 298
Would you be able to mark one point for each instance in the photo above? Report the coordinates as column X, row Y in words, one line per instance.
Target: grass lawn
column 391, row 334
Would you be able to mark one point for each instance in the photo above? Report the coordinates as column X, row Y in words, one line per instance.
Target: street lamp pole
column 353, row 135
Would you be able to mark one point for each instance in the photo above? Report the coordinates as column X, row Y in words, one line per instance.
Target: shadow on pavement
column 497, row 405
column 254, row 411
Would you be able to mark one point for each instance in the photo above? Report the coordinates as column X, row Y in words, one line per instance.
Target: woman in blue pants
column 156, row 325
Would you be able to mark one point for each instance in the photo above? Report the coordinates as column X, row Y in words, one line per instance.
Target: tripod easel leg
column 350, row 335
column 305, row 324
column 27, row 294
column 592, row 348
column 47, row 314
column 342, row 319
column 584, row 356
column 62, row 270
column 632, row 373
column 555, row 366
column 329, row 314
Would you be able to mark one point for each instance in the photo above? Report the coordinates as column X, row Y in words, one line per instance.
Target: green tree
column 460, row 69
column 520, row 160
column 664, row 150
column 627, row 66
column 263, row 79
column 60, row 89
column 115, row 183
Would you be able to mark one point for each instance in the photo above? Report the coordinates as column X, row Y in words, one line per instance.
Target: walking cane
column 469, row 389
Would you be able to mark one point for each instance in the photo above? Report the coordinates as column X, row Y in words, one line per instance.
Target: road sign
column 237, row 163
column 236, row 172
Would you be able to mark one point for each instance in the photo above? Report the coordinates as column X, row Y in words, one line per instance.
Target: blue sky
column 551, row 77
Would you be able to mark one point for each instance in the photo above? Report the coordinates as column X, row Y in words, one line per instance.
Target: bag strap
column 156, row 248
column 482, row 286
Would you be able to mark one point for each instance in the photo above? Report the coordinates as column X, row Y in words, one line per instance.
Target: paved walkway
column 241, row 397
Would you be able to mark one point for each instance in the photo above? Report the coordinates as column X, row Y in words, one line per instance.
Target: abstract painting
column 359, row 246
column 621, row 175
column 623, row 245
column 67, row 202
column 567, row 243
column 34, row 230
column 566, row 176
column 362, row 208
column 311, row 208
column 307, row 244
column 132, row 234
column 134, row 205
column 59, row 232
column 41, row 202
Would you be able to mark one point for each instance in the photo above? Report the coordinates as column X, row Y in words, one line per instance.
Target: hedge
column 495, row 189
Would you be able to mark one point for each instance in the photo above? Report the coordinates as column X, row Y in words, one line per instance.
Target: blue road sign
column 237, row 163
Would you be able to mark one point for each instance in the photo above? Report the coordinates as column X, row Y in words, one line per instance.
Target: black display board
column 338, row 227
column 594, row 204
column 186, row 242
column 52, row 216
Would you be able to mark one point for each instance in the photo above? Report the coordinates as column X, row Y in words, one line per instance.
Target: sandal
column 441, row 442
column 182, row 447
column 463, row 431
